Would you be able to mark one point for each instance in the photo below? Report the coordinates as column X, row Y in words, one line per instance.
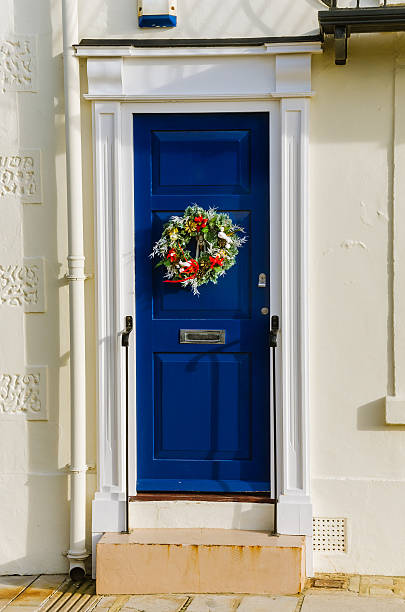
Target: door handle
column 262, row 282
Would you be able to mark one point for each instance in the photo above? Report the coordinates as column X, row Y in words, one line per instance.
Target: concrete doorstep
column 153, row 561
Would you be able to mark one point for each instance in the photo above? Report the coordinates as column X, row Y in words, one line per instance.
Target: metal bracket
column 77, row 277
column 344, row 21
column 341, row 37
column 275, row 327
column 129, row 326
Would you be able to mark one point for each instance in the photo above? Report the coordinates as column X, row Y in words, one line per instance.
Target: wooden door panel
column 202, row 410
column 208, row 381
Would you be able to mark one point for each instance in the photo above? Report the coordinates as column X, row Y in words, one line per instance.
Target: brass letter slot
column 202, row 336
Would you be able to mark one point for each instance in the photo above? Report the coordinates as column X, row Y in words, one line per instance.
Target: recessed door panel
column 200, row 162
column 191, row 425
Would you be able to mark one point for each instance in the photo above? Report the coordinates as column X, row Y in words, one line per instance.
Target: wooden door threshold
column 251, row 498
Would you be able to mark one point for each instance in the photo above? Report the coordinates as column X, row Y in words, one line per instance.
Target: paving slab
column 155, row 603
column 217, row 603
column 340, row 602
column 262, row 603
column 354, row 584
column 37, row 593
column 60, row 596
column 12, row 586
column 109, row 600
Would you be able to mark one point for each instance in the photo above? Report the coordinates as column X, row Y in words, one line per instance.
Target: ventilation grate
column 329, row 535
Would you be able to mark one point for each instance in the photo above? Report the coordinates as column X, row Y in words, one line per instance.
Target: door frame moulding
column 123, row 85
column 264, row 48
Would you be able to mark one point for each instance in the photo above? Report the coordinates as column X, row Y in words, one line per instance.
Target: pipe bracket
column 77, row 556
column 78, row 470
column 78, row 277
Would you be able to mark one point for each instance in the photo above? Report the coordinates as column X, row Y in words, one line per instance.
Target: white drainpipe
column 77, row 548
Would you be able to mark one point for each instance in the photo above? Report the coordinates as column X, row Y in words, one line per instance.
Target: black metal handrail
column 275, row 328
column 125, row 343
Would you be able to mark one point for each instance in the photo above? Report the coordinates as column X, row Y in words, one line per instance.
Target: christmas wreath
column 216, row 244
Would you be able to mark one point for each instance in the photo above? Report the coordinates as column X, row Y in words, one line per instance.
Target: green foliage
column 182, row 236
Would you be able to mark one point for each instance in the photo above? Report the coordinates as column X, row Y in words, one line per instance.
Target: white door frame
column 123, row 81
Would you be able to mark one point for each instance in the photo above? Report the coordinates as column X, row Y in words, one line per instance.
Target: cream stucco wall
column 357, row 461
column 34, row 493
column 228, row 18
column 358, row 468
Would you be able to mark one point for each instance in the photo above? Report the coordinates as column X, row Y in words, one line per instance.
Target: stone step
column 151, row 561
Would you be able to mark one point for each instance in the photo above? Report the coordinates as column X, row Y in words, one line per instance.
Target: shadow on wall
column 371, row 417
column 196, row 19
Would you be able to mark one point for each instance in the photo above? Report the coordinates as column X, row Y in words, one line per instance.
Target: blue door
column 202, row 410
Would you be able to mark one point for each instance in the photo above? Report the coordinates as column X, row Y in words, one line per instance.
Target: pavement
column 324, row 593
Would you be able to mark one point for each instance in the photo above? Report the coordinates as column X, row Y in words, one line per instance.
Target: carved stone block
column 23, row 285
column 24, row 394
column 18, row 63
column 20, row 176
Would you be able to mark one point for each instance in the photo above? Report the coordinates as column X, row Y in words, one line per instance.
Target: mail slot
column 202, row 336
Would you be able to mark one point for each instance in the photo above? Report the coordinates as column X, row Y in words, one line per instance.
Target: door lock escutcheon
column 262, row 282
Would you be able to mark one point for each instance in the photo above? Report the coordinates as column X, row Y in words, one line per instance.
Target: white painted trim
column 127, row 190
column 95, row 538
column 112, row 121
column 201, row 97
column 127, row 268
column 109, row 499
column 295, row 511
column 395, row 399
column 303, row 47
column 204, row 514
column 108, row 51
column 294, row 137
column 218, row 77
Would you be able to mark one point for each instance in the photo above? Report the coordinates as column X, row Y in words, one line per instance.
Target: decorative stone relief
column 20, row 176
column 24, row 394
column 18, row 63
column 23, row 285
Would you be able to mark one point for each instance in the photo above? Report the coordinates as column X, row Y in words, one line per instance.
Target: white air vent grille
column 329, row 535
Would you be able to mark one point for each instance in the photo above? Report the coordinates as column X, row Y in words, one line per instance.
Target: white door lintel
column 268, row 71
column 214, row 81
